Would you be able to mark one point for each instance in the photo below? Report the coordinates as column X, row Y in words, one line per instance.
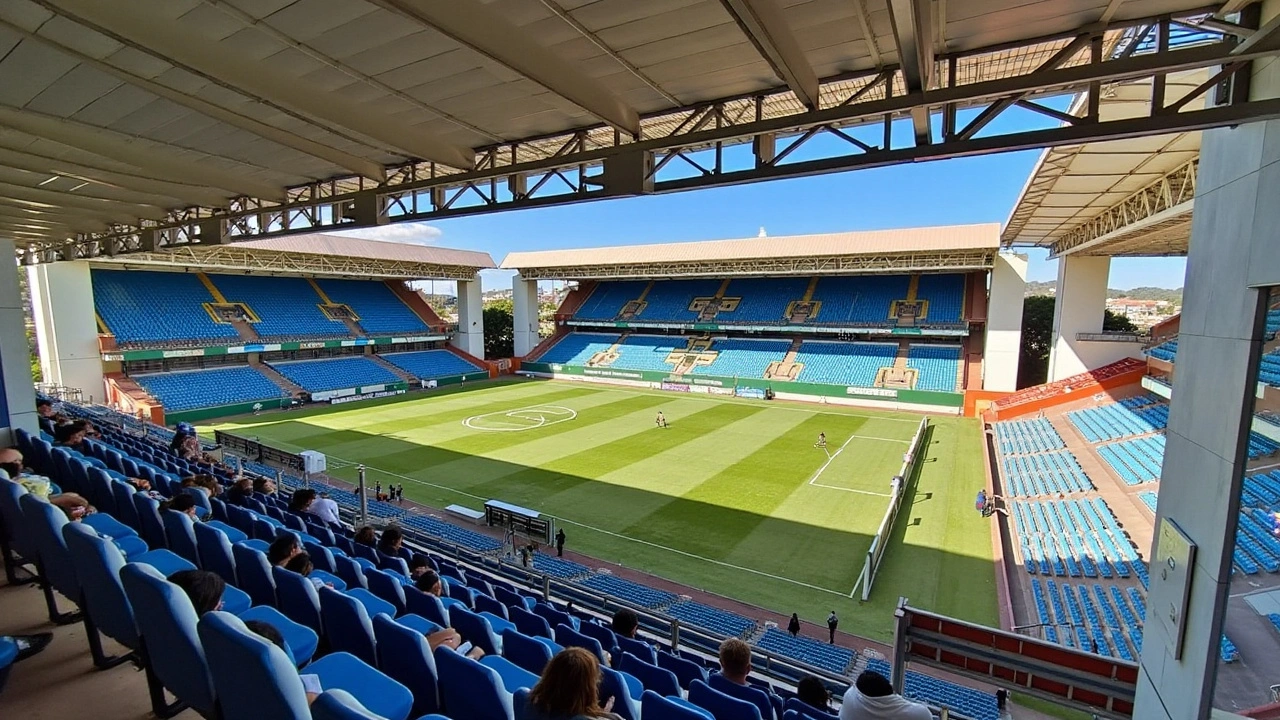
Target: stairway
column 213, row 289
column 401, row 373
column 353, row 327
column 275, row 377
column 786, row 368
column 900, row 362
column 245, row 331
column 417, row 303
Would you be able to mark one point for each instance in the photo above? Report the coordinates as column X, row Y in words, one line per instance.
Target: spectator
column 76, row 506
column 625, row 623
column 569, row 689
column 366, row 536
column 813, row 693
column 265, row 487
column 301, row 500
column 391, row 541
column 183, row 503
column 29, row 645
column 872, row 698
column 203, row 587
column 325, row 509
column 301, row 564
column 560, row 542
column 793, row 627
column 735, row 666
column 429, row 582
column 72, row 435
column 283, row 549
column 240, row 490
column 419, row 565
column 181, row 432
column 38, row 485
column 833, row 622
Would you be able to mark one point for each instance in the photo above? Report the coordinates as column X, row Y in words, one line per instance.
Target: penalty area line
column 721, row 563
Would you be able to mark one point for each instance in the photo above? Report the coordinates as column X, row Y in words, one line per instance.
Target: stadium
column 705, row 435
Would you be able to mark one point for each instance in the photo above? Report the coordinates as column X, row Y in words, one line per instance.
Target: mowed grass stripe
column 537, row 486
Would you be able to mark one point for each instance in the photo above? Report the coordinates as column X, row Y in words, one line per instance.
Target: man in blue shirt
column 735, row 665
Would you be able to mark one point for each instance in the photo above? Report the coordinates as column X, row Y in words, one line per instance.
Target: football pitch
column 732, row 497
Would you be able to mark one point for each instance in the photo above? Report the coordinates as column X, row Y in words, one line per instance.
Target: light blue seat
column 657, row 707
column 97, row 565
column 426, row 605
column 172, row 653
column 664, row 682
column 44, row 522
column 254, row 573
column 722, row 706
column 528, row 622
column 386, row 587
column 125, row 537
column 605, row 636
column 150, row 525
column 685, row 670
column 754, row 695
column 639, row 648
column 430, row 364
column 340, row 705
column 350, row 571
column 165, row 562
column 513, row 676
column 347, row 625
column 213, row 546
column 624, row 690
column 179, row 528
column 372, row 603
column 255, row 679
column 476, row 629
column 298, row 598
column 529, row 653
column 471, row 690
column 569, row 637
column 405, row 656
column 301, row 640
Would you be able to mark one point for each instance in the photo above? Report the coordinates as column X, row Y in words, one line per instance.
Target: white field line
column 831, row 458
column 721, row 563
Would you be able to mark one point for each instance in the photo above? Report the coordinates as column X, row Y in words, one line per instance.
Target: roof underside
column 115, row 111
column 1091, row 198
column 316, row 254
column 958, row 247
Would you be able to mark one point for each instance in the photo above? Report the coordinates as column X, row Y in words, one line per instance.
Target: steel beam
column 81, row 170
column 912, row 29
column 1175, row 189
column 764, row 25
column 484, row 31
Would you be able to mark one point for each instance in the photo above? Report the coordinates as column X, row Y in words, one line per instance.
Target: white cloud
column 406, row 233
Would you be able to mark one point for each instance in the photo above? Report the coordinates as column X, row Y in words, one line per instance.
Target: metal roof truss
column 234, row 258
column 816, row 265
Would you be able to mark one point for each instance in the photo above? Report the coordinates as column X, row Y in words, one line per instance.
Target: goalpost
column 880, row 541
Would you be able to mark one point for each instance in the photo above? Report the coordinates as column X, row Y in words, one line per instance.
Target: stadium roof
column 318, row 254
column 137, row 125
column 1123, row 197
column 954, row 247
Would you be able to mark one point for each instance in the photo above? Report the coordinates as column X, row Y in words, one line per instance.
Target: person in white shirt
column 325, row 509
column 872, row 698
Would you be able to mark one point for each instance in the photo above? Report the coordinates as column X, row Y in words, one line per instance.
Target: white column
column 1080, row 307
column 470, row 335
column 524, row 297
column 1003, row 344
column 66, row 327
column 17, row 395
column 1233, row 257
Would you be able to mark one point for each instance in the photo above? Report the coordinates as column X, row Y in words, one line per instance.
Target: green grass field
column 732, row 498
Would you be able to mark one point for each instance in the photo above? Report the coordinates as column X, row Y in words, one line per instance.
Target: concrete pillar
column 1003, row 343
column 66, row 327
column 1080, row 306
column 1235, row 236
column 470, row 335
column 524, row 297
column 17, row 394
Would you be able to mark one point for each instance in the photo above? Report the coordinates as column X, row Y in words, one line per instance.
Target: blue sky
column 946, row 192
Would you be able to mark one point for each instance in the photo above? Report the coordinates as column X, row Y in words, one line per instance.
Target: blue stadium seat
column 430, row 364
column 180, row 391
column 937, row 366
column 471, row 690
column 127, row 302
column 844, row 363
column 335, row 373
column 287, row 307
column 403, row 654
column 721, row 706
column 379, row 310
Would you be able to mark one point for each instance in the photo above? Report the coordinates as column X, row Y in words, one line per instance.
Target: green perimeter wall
column 920, row 397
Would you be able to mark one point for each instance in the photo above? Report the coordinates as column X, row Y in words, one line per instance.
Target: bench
column 475, row 517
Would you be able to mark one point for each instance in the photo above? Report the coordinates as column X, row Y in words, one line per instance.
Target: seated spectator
column 38, row 485
column 269, row 633
column 569, row 689
column 813, row 693
column 265, row 487
column 240, row 490
column 183, row 503
column 76, row 506
column 200, row 490
column 301, row 500
column 181, row 432
column 366, row 536
column 625, row 623
column 203, row 587
column 735, row 665
column 283, row 549
column 429, row 583
column 872, row 698
column 419, row 565
column 72, row 435
column 301, row 564
column 325, row 509
column 390, row 542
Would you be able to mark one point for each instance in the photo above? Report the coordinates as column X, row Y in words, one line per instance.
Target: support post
column 1003, row 343
column 66, row 327
column 364, row 498
column 469, row 337
column 1080, row 305
column 17, row 395
column 524, row 300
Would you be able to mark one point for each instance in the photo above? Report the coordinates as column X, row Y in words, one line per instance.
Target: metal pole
column 546, row 588
column 675, row 635
column 364, row 499
column 239, row 467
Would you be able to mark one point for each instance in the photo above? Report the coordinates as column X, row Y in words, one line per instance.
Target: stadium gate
column 880, row 542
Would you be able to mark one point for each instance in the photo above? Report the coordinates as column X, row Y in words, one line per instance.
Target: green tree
column 1037, row 334
column 499, row 330
column 1037, row 337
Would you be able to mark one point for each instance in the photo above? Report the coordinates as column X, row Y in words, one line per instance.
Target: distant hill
column 1139, row 293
